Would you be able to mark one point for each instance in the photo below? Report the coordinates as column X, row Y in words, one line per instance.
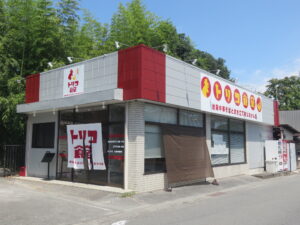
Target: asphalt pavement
column 237, row 200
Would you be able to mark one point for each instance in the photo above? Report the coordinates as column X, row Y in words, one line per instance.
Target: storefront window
column 112, row 120
column 154, row 151
column 188, row 118
column 219, row 123
column 227, row 141
column 116, row 113
column 43, row 135
column 219, row 147
column 155, row 118
column 160, row 114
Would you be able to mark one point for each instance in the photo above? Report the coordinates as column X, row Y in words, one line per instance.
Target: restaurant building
column 163, row 121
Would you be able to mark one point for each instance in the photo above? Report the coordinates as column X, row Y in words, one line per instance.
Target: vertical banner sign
column 280, row 155
column 73, row 81
column 224, row 98
column 85, row 150
column 285, row 155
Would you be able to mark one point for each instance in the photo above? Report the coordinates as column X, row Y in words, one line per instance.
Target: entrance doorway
column 112, row 119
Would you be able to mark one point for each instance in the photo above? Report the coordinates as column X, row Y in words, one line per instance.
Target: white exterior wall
column 137, row 181
column 100, row 73
column 256, row 135
column 34, row 167
column 183, row 88
column 182, row 84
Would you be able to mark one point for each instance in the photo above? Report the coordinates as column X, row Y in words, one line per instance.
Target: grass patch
column 128, row 194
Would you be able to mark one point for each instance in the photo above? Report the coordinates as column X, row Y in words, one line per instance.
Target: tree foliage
column 35, row 32
column 286, row 91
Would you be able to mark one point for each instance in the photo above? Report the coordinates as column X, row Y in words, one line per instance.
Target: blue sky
column 259, row 39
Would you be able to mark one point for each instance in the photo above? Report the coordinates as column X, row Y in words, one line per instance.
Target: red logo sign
column 245, row 100
column 258, row 104
column 252, row 102
column 237, row 97
column 205, row 87
column 217, row 90
column 227, row 94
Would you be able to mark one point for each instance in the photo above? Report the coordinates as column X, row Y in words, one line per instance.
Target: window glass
column 219, row 123
column 153, row 142
column 155, row 165
column 237, row 146
column 237, row 125
column 154, row 151
column 188, row 118
column 219, row 148
column 160, row 114
column 116, row 113
column 43, row 135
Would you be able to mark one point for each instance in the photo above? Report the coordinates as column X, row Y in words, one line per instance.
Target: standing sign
column 221, row 97
column 85, row 150
column 73, row 81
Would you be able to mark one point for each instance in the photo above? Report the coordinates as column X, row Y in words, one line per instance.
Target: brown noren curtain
column 186, row 152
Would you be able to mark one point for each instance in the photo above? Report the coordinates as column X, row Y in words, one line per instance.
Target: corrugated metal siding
column 291, row 118
column 142, row 73
column 100, row 74
column 256, row 135
column 32, row 88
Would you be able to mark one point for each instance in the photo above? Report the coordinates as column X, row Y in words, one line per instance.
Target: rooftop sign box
column 225, row 98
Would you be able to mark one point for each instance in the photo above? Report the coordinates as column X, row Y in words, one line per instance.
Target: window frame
column 176, row 124
column 33, row 146
column 229, row 132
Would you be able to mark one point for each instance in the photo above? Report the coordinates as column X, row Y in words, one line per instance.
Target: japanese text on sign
column 85, row 145
column 73, row 81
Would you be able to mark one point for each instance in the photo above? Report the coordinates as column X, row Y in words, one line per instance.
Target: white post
column 126, row 149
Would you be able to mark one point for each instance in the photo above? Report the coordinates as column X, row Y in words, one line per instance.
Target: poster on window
column 224, row 98
column 73, row 81
column 85, row 150
column 219, row 146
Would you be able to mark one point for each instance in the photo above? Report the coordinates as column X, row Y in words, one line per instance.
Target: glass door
column 112, row 120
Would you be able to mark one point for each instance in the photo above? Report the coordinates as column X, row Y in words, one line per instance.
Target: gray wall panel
column 183, row 87
column 291, row 118
column 100, row 74
column 256, row 135
column 268, row 110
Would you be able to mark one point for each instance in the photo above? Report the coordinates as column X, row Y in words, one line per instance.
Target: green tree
column 286, row 91
column 35, row 32
column 67, row 14
column 133, row 24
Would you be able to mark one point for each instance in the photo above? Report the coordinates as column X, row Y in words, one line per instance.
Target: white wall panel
column 34, row 167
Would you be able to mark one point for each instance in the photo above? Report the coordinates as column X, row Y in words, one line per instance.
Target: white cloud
column 258, row 79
